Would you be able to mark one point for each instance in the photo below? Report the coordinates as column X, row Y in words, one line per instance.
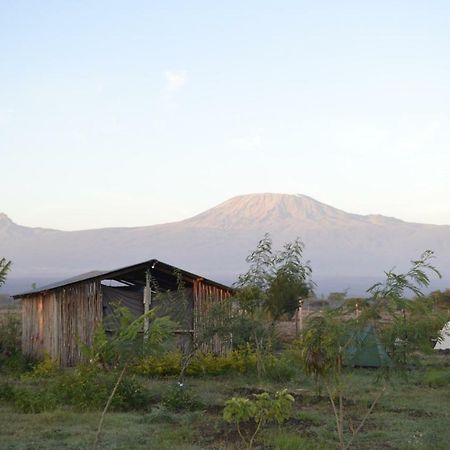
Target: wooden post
column 301, row 315
column 147, row 301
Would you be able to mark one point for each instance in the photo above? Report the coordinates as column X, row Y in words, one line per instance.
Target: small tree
column 261, row 409
column 126, row 346
column 275, row 281
column 274, row 284
column 326, row 338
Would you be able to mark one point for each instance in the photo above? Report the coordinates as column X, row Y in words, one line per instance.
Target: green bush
column 46, row 368
column 282, row 368
column 29, row 399
column 89, row 389
column 261, row 409
column 180, row 398
column 34, row 401
column 11, row 357
column 169, row 364
column 243, row 360
column 83, row 389
column 164, row 365
column 437, row 378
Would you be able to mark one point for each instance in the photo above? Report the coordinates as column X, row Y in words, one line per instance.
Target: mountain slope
column 215, row 242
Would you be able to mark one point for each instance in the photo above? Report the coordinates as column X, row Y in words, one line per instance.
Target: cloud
column 175, row 80
column 248, row 143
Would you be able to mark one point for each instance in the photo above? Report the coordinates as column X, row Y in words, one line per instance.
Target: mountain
column 346, row 250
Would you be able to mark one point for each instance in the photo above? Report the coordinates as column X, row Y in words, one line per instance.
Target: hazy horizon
column 214, row 206
column 344, row 249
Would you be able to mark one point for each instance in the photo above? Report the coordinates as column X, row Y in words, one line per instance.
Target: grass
column 411, row 415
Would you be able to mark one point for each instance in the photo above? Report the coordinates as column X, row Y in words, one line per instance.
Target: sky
column 129, row 113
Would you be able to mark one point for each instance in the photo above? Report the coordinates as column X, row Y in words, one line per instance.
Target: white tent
column 444, row 344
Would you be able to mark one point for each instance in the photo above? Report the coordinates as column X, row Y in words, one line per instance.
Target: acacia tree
column 403, row 325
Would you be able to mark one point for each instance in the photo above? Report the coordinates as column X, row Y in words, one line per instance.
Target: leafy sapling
column 261, row 409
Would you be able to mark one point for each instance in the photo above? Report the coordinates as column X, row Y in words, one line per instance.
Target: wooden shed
column 58, row 317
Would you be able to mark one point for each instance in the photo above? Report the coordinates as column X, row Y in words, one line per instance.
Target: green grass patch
column 60, row 410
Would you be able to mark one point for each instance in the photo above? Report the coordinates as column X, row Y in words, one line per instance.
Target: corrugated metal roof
column 75, row 279
column 104, row 275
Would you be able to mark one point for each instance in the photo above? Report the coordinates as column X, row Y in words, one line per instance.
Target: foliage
column 127, row 343
column 5, row 267
column 412, row 415
column 436, row 378
column 31, row 401
column 10, row 346
column 261, row 409
column 409, row 325
column 392, row 291
column 405, row 327
column 46, row 368
column 84, row 389
column 166, row 364
column 180, row 398
column 275, row 281
column 272, row 287
column 321, row 345
column 281, row 368
column 174, row 304
column 88, row 389
column 242, row 361
column 233, row 326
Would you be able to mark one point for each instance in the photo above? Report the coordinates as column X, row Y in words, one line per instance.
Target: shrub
column 263, row 408
column 89, row 389
column 243, row 360
column 164, row 365
column 169, row 364
column 83, row 389
column 10, row 348
column 28, row 399
column 437, row 378
column 34, row 401
column 180, row 398
column 282, row 368
column 44, row 369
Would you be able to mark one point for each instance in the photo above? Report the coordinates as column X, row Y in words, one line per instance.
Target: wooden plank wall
column 55, row 322
column 205, row 296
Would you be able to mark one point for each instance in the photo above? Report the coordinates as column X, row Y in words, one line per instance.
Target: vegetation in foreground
column 154, row 413
column 136, row 391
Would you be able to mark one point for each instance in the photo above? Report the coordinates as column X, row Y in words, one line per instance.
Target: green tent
column 366, row 350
